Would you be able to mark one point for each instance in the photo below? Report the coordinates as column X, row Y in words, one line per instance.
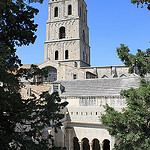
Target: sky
column 111, row 23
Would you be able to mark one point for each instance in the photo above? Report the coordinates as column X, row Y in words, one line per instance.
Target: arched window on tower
column 69, row 9
column 62, row 32
column 56, row 55
column 66, row 54
column 56, row 12
column 83, row 35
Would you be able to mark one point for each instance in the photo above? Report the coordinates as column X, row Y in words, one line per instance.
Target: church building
column 86, row 88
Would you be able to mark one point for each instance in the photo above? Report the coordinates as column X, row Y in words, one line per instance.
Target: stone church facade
column 86, row 88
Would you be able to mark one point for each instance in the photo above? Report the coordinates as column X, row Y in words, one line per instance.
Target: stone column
column 45, row 52
column 90, row 146
column 81, row 147
column 47, row 31
column 68, row 138
column 70, row 141
column 112, row 142
column 101, row 146
column 49, row 12
column 63, row 140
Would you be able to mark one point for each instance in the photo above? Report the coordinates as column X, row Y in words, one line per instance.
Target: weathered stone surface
column 87, row 89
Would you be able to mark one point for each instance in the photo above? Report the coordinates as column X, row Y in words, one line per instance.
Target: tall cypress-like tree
column 17, row 28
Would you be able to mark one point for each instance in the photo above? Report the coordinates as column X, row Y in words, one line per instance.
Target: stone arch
column 95, row 144
column 104, row 76
column 69, row 22
column 62, row 23
column 76, row 145
column 85, row 144
column 56, row 24
column 52, row 74
column 73, row 22
column 106, row 144
column 59, row 24
column 123, row 75
column 45, row 64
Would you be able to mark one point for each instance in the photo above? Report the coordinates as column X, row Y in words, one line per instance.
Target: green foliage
column 142, row 3
column 141, row 60
column 33, row 72
column 131, row 128
column 17, row 28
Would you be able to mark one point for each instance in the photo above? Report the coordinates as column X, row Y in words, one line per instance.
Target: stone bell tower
column 67, row 33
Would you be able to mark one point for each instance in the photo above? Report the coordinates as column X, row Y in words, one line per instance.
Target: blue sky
column 111, row 23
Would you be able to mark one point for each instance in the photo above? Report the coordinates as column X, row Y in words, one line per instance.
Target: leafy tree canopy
column 141, row 60
column 131, row 127
column 141, row 3
column 17, row 28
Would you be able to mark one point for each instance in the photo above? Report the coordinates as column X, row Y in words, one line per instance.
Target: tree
column 17, row 28
column 140, row 61
column 131, row 127
column 141, row 3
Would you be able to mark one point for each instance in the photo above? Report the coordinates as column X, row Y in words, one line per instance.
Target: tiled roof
column 98, row 87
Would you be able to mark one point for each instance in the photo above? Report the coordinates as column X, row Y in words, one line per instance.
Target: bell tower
column 67, row 33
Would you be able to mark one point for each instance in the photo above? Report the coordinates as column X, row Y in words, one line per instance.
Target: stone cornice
column 91, row 97
column 63, row 40
column 57, row 1
column 67, row 19
column 105, row 67
column 61, row 20
column 85, row 124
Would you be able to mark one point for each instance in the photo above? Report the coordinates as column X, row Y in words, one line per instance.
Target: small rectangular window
column 74, row 76
column 69, row 10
